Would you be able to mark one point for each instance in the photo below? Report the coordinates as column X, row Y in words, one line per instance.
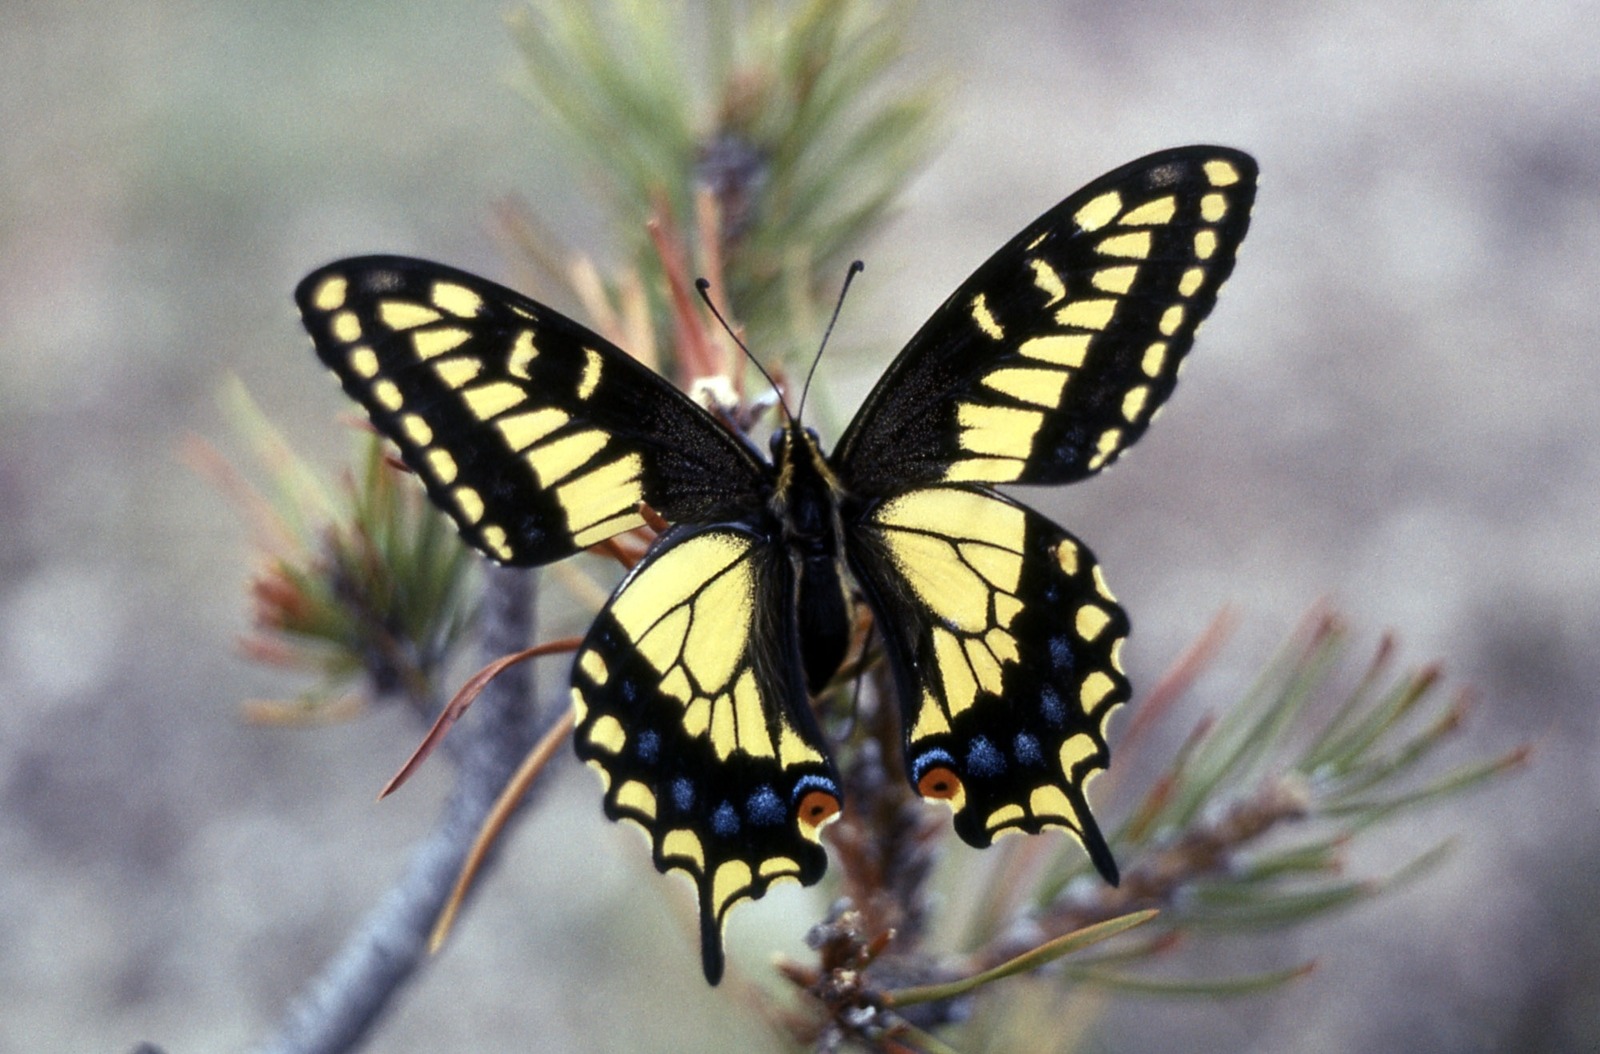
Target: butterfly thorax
column 805, row 505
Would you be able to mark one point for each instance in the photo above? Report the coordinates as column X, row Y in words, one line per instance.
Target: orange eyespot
column 817, row 808
column 939, row 782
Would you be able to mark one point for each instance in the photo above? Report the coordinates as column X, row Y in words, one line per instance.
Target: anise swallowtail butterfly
column 692, row 688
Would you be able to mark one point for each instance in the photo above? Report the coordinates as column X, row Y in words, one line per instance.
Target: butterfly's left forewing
column 692, row 706
column 1003, row 640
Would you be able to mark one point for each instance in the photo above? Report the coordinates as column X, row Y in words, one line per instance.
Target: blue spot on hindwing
column 1051, row 707
column 725, row 821
column 1026, row 748
column 648, row 746
column 983, row 759
column 683, row 794
column 1061, row 654
column 764, row 808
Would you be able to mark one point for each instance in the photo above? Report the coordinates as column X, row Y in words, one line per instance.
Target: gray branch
column 338, row 1008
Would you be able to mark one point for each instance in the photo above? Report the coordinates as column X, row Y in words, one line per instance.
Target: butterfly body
column 693, row 686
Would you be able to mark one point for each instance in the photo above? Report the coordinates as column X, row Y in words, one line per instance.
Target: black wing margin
column 537, row 436
column 1053, row 356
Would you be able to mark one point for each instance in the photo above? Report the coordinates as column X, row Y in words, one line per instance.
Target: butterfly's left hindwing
column 1003, row 640
column 692, row 706
column 537, row 436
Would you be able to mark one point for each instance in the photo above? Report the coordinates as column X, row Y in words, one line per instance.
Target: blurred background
column 1394, row 408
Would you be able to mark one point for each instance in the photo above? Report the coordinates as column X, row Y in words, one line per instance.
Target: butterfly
column 692, row 689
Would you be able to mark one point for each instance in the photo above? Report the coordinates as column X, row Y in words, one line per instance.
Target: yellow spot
column 1171, row 319
column 1135, row 244
column 778, row 867
column 329, row 294
column 1058, row 350
column 1002, row 567
column 594, row 667
column 494, row 539
column 607, row 528
column 496, row 397
column 1221, row 173
column 792, row 750
column 1133, row 403
column 1051, row 801
column 1078, row 748
column 1107, row 445
column 607, row 734
column 685, row 845
column 732, row 880
column 1161, row 210
column 1115, row 279
column 1190, row 282
column 985, row 667
column 1001, row 430
column 697, row 717
column 522, row 355
column 591, row 373
column 754, row 738
column 416, row 429
column 724, row 727
column 1116, row 664
column 346, row 327
column 1213, row 207
column 555, row 460
column 985, row 321
column 1067, row 557
column 1091, row 620
column 458, row 300
column 387, row 394
column 443, row 465
column 608, row 491
column 1205, row 243
column 1095, row 688
column 1006, row 814
column 431, row 343
column 1046, row 278
column 580, row 708
column 1087, row 314
column 524, row 430
column 1040, row 387
column 406, row 314
column 1099, row 212
column 636, row 796
column 1155, row 357
column 1002, row 645
column 1100, row 585
column 676, row 684
column 930, row 718
column 600, row 770
column 457, row 372
column 470, row 503
column 960, row 687
column 986, row 469
column 364, row 361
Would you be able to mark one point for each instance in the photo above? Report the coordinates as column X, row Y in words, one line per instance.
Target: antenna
column 704, row 287
column 856, row 267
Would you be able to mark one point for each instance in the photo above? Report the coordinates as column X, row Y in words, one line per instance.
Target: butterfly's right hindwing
column 692, row 706
column 538, row 437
